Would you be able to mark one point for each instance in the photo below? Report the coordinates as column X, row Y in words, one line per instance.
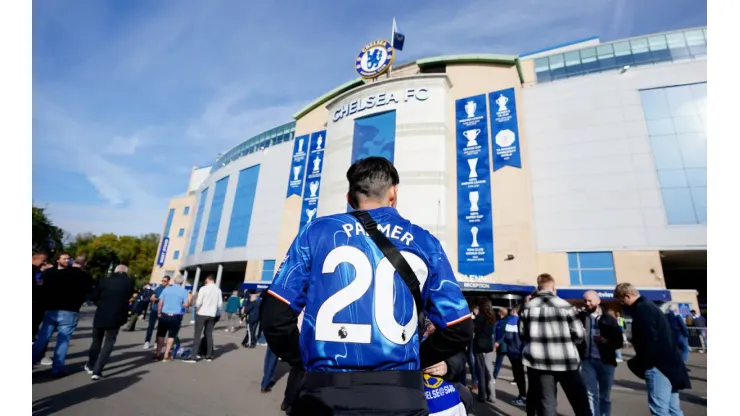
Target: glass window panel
column 557, row 66
column 659, row 48
column 605, row 53
column 575, row 278
column 573, row 63
column 696, row 177
column 541, row 65
column 666, row 152
column 588, row 60
column 640, row 51
column 679, row 207
column 623, row 54
column 572, row 260
column 674, row 178
column 693, row 150
column 598, row 277
column 677, row 45
column 699, row 197
column 697, row 43
column 688, row 124
column 176, row 255
column 596, row 260
column 659, row 126
column 655, row 104
column 681, row 101
column 699, row 91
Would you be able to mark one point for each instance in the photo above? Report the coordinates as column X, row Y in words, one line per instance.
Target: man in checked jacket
column 550, row 331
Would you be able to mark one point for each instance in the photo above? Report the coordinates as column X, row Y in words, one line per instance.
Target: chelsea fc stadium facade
column 586, row 161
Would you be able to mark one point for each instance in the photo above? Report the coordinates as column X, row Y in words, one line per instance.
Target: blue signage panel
column 313, row 177
column 297, row 166
column 163, row 251
column 656, row 295
column 474, row 217
column 495, row 287
column 258, row 287
column 504, row 129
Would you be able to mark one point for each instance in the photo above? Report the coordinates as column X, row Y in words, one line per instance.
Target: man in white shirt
column 208, row 303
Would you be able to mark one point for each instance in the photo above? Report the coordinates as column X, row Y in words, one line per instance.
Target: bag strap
column 395, row 258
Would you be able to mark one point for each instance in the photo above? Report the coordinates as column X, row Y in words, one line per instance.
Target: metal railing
column 697, row 339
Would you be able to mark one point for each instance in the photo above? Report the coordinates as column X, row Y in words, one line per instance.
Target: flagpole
column 393, row 33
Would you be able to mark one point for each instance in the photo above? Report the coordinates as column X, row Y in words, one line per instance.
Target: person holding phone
column 598, row 353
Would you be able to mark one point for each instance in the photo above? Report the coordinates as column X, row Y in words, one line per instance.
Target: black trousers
column 252, row 334
column 203, row 347
column 97, row 356
column 204, row 326
column 293, row 387
column 37, row 315
column 389, row 393
column 542, row 398
column 518, row 369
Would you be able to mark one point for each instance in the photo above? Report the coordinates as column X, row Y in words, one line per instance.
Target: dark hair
column 63, row 253
column 371, row 177
column 211, row 278
column 484, row 304
column 166, row 277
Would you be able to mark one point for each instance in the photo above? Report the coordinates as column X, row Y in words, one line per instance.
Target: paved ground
column 136, row 385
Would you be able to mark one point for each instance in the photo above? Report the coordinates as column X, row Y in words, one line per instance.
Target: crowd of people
column 417, row 368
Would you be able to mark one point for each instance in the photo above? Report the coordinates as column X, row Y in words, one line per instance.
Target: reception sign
column 474, row 219
column 504, row 129
column 313, row 177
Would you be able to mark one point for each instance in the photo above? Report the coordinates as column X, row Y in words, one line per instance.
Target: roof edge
column 484, row 58
column 328, row 96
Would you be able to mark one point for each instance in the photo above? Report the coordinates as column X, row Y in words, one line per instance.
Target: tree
column 46, row 237
column 103, row 252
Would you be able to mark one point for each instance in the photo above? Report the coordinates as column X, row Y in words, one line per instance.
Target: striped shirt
column 550, row 331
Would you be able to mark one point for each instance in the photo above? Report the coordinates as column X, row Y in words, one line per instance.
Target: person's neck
column 369, row 204
column 596, row 311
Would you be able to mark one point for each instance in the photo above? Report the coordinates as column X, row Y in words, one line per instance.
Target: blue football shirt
column 359, row 315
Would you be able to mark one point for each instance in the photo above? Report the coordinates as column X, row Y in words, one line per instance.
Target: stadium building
column 586, row 161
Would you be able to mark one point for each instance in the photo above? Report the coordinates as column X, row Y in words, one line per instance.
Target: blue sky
column 129, row 95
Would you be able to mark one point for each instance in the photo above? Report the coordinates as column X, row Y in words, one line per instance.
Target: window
column 675, row 120
column 186, row 211
column 176, row 255
column 214, row 216
column 592, row 269
column 198, row 220
column 689, row 44
column 268, row 270
column 168, row 224
column 181, row 232
column 241, row 213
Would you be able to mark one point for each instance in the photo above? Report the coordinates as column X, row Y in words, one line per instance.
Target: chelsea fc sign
column 374, row 59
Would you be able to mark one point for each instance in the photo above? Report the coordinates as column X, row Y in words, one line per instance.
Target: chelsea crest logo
column 374, row 59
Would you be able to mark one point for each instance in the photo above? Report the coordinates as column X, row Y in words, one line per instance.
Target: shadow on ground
column 97, row 390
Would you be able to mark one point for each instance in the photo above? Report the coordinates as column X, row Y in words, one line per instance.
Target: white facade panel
column 594, row 182
column 264, row 225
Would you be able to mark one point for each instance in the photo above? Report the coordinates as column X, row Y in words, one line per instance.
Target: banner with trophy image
column 504, row 129
column 297, row 166
column 313, row 177
column 474, row 218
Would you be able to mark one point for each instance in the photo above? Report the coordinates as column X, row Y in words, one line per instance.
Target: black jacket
column 66, row 289
column 483, row 334
column 655, row 345
column 112, row 296
column 609, row 330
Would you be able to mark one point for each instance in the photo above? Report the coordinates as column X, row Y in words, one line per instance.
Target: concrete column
column 185, row 278
column 219, row 272
column 195, row 282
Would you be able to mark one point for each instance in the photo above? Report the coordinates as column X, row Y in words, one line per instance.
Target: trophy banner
column 313, row 167
column 298, row 166
column 474, row 217
column 504, row 129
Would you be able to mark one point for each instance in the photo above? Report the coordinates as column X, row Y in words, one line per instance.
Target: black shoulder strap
column 395, row 257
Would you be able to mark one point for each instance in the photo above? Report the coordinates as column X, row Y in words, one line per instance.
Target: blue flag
column 398, row 37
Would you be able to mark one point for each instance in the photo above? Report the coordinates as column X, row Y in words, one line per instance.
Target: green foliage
column 103, row 251
column 46, row 237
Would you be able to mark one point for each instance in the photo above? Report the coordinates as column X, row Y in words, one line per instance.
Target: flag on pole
column 398, row 37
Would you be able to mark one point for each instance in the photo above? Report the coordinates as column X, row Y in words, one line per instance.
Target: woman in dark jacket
column 483, row 349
